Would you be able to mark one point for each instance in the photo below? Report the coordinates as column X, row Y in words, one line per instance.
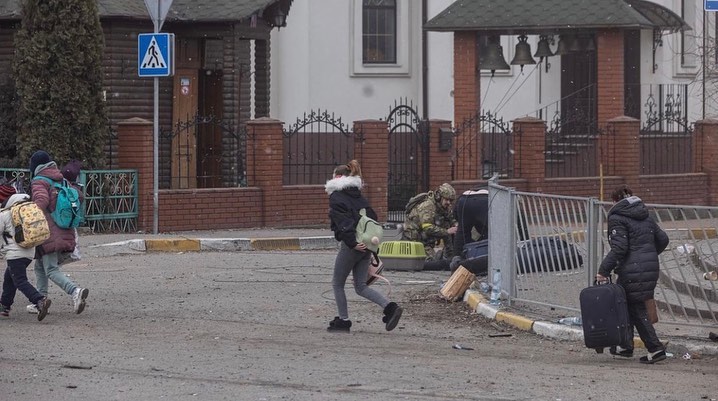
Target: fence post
column 135, row 151
column 623, row 133
column 467, row 79
column 440, row 161
column 373, row 151
column 609, row 61
column 265, row 167
column 705, row 147
column 530, row 145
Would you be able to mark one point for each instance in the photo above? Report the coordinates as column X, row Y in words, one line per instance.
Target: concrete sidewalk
column 306, row 239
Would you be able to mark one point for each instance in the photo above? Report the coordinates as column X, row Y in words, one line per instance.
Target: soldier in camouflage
column 433, row 220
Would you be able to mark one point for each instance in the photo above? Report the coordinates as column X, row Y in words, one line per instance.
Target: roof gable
column 181, row 10
column 536, row 16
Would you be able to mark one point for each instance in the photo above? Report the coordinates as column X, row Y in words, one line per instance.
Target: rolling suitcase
column 604, row 315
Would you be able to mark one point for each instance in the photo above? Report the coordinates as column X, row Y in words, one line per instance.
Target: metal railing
column 567, row 242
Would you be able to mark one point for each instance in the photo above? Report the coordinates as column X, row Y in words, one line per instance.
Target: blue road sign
column 711, row 5
column 155, row 54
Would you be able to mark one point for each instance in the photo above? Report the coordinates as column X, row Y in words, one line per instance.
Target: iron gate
column 408, row 157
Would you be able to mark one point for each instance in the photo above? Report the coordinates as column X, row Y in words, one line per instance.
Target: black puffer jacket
column 636, row 241
column 345, row 201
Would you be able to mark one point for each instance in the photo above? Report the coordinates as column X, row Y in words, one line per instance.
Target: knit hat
column 71, row 170
column 38, row 158
column 5, row 192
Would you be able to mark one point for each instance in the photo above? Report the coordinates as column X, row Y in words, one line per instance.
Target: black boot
column 392, row 313
column 339, row 325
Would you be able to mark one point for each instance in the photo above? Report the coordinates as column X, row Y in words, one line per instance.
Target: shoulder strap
column 40, row 177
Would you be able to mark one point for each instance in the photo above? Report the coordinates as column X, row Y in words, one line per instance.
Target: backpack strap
column 51, row 181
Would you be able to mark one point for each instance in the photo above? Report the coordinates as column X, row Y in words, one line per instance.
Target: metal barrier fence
column 110, row 197
column 567, row 241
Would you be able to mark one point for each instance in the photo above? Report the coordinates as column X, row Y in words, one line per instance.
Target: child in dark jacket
column 345, row 202
column 18, row 259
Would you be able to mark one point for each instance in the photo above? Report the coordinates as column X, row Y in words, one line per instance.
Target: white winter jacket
column 11, row 249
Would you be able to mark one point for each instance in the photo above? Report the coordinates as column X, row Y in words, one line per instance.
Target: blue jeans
column 48, row 267
column 16, row 279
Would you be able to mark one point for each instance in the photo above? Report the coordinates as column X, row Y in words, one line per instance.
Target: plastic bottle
column 496, row 287
column 571, row 321
column 484, row 287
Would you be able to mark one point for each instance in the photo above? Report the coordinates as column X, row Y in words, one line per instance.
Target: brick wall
column 609, row 57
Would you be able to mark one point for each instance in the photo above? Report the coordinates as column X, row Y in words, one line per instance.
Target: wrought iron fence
column 314, row 145
column 111, row 197
column 571, row 134
column 202, row 152
column 666, row 135
column 493, row 156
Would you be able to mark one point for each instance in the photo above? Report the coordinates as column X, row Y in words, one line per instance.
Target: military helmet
column 446, row 191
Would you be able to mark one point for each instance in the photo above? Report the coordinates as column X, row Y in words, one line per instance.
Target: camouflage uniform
column 427, row 223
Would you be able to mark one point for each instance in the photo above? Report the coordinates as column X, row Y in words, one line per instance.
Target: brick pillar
column 609, row 57
column 621, row 150
column 440, row 161
column 529, row 146
column 265, row 167
column 136, row 151
column 705, row 147
column 372, row 152
column 466, row 75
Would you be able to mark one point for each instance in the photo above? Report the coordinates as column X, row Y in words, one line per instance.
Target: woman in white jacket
column 18, row 259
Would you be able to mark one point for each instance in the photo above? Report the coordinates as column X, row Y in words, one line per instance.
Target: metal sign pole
column 156, row 135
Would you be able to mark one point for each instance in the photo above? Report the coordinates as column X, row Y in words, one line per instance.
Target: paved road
column 251, row 326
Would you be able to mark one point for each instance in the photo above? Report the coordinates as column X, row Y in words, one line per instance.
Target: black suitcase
column 604, row 315
column 475, row 257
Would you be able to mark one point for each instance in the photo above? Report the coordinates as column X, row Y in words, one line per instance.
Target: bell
column 590, row 44
column 493, row 59
column 523, row 53
column 543, row 49
column 563, row 44
column 575, row 45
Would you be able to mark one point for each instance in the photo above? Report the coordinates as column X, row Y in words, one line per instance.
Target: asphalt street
column 252, row 326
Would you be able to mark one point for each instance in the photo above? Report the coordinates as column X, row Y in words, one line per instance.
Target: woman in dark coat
column 636, row 241
column 345, row 202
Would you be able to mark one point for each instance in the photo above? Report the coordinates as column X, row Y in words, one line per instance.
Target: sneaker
column 654, row 357
column 78, row 299
column 4, row 311
column 618, row 351
column 42, row 306
column 339, row 325
column 392, row 314
column 32, row 308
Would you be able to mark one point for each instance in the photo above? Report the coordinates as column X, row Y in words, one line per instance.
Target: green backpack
column 369, row 232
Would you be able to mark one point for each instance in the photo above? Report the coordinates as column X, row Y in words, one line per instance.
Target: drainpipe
column 704, row 64
column 424, row 63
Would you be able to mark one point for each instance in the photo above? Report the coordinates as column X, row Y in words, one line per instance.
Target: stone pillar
column 529, row 157
column 441, row 162
column 136, row 151
column 264, row 165
column 705, row 147
column 620, row 150
column 609, row 57
column 372, row 151
column 467, row 80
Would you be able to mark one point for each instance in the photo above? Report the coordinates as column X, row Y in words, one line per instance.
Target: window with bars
column 379, row 20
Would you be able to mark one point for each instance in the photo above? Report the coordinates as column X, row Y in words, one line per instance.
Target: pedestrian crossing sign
column 155, row 54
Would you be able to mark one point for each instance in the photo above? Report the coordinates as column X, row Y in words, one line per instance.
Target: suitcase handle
column 610, row 281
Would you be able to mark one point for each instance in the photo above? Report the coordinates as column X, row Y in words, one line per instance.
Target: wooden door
column 184, row 140
column 209, row 139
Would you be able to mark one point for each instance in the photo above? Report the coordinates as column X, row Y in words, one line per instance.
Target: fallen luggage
column 547, row 254
column 475, row 257
column 604, row 314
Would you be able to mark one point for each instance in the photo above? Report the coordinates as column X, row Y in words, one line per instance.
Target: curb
column 219, row 244
column 478, row 303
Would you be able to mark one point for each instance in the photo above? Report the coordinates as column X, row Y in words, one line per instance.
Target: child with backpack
column 18, row 258
column 46, row 178
column 345, row 204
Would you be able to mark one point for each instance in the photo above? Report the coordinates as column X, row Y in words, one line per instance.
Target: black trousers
column 638, row 315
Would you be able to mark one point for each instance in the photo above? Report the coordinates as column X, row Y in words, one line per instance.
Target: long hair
column 350, row 169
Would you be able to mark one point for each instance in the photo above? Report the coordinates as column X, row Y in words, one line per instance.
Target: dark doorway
column 632, row 73
column 579, row 89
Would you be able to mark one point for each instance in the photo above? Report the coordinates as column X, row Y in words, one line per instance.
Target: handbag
column 369, row 231
column 652, row 310
column 376, row 267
